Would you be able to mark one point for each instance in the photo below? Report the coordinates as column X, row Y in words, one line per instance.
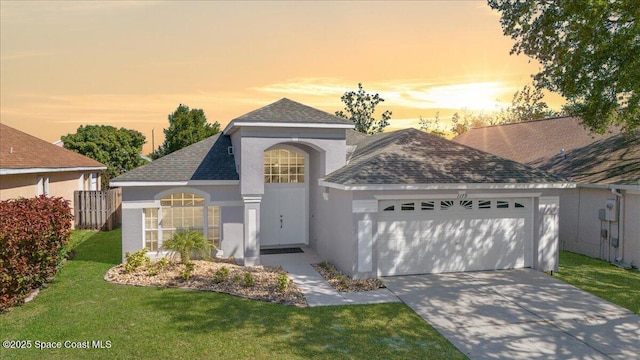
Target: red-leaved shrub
column 33, row 233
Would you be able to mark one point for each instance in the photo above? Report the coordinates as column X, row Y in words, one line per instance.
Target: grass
column 614, row 284
column 143, row 322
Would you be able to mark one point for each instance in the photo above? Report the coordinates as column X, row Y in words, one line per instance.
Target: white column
column 251, row 229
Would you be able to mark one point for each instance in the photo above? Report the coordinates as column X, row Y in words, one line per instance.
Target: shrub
column 33, row 234
column 188, row 269
column 248, row 279
column 186, row 242
column 135, row 260
column 221, row 275
column 282, row 281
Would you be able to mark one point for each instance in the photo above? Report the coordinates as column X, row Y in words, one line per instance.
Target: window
column 484, row 204
column 518, row 205
column 151, row 229
column 389, row 208
column 283, row 166
column 428, row 205
column 93, row 181
column 407, row 207
column 502, row 204
column 43, row 186
column 181, row 211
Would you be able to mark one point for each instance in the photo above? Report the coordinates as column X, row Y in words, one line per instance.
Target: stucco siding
column 630, row 244
column 132, row 237
column 61, row 184
column 134, row 199
column 336, row 241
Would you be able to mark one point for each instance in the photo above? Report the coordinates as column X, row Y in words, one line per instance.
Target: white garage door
column 434, row 236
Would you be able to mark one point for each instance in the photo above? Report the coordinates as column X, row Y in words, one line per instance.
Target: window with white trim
column 283, row 166
column 43, row 186
column 181, row 211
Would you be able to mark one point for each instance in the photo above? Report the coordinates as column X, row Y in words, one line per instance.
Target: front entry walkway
column 316, row 290
column 520, row 314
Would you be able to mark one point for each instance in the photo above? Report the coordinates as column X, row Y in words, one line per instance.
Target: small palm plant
column 186, row 242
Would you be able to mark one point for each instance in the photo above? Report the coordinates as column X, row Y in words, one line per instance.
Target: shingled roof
column 205, row 160
column 22, row 153
column 532, row 142
column 564, row 147
column 411, row 157
column 285, row 111
column 615, row 160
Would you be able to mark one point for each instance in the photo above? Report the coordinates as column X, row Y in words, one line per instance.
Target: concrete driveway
column 520, row 314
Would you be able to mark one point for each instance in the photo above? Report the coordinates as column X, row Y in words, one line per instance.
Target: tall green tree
column 186, row 127
column 118, row 149
column 359, row 108
column 588, row 50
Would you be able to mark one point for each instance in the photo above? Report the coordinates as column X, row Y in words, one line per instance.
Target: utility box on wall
column 611, row 210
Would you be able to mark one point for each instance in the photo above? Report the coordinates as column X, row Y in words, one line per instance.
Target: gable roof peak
column 288, row 113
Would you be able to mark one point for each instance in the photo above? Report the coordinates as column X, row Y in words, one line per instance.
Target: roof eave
column 17, row 171
column 234, row 125
column 451, row 186
column 132, row 183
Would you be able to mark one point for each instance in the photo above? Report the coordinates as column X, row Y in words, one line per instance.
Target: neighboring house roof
column 21, row 153
column 285, row 112
column 354, row 137
column 615, row 160
column 411, row 157
column 207, row 160
column 564, row 147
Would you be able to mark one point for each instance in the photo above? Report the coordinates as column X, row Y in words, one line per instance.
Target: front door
column 283, row 212
column 282, row 215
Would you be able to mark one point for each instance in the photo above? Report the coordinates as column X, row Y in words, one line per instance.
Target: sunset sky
column 130, row 64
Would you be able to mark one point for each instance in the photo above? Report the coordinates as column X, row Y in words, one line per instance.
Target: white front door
column 283, row 215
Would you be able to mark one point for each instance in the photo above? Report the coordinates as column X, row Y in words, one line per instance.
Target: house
column 403, row 202
column 30, row 167
column 600, row 217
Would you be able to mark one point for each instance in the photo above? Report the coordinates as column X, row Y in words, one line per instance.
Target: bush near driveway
column 33, row 236
column 614, row 284
column 148, row 323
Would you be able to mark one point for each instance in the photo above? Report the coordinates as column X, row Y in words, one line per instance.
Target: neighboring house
column 404, row 202
column 601, row 217
column 30, row 167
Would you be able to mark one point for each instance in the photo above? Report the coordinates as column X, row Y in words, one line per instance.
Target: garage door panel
column 468, row 240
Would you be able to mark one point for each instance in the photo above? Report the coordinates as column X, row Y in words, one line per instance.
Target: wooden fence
column 98, row 209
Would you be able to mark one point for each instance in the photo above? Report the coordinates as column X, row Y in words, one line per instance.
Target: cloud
column 413, row 93
column 23, row 55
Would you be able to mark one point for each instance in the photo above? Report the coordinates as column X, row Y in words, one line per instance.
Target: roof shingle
column 411, row 156
column 205, row 160
column 564, row 147
column 288, row 111
column 19, row 150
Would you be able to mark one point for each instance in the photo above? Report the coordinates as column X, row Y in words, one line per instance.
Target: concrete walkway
column 316, row 290
column 520, row 314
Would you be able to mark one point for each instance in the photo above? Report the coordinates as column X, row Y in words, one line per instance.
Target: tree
column 118, row 149
column 459, row 125
column 186, row 127
column 526, row 105
column 588, row 51
column 432, row 125
column 359, row 108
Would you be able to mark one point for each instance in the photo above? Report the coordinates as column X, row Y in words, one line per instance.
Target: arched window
column 283, row 166
column 181, row 211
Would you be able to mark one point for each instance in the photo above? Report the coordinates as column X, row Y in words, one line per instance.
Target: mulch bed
column 264, row 286
column 342, row 282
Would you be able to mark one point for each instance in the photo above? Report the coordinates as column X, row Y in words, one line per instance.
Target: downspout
column 617, row 193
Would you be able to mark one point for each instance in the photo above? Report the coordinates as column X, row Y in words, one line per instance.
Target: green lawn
column 600, row 278
column 144, row 322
